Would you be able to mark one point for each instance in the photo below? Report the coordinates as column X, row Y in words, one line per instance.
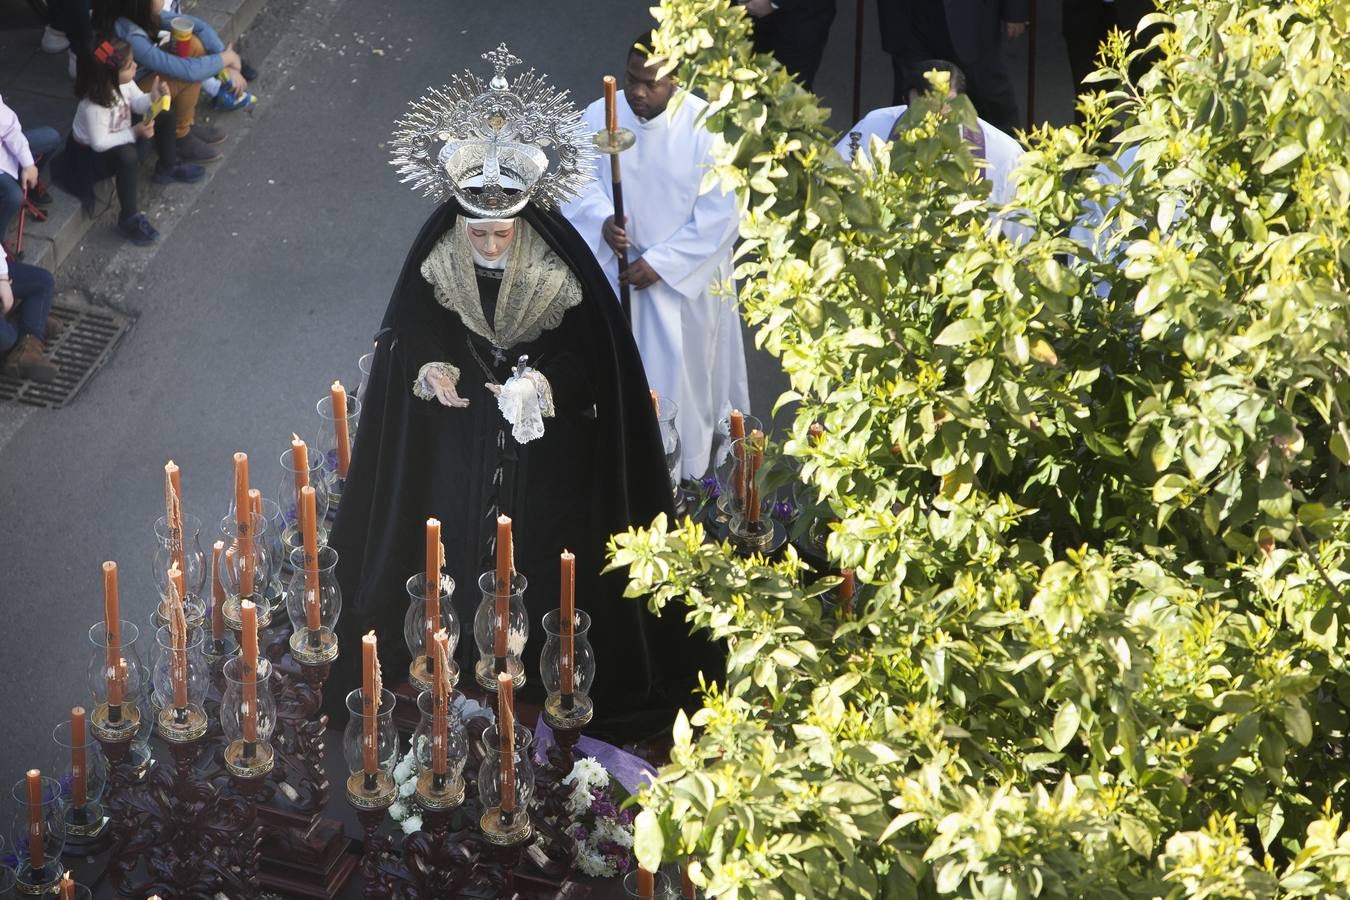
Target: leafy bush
column 1094, row 483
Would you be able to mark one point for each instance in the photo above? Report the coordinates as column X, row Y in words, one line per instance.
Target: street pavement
column 268, row 284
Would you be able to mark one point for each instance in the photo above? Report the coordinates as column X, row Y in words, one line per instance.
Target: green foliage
column 1095, row 483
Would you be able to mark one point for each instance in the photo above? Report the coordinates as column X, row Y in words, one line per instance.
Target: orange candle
column 370, row 705
column 501, row 620
column 178, row 664
column 506, row 744
column 217, row 594
column 686, row 883
column 567, row 613
column 248, row 650
column 242, row 524
column 752, row 476
column 308, row 514
column 173, row 512
column 611, row 106
column 255, row 502
column 433, row 580
column 79, row 765
column 67, row 887
column 35, row 833
column 299, row 462
column 112, row 626
column 645, row 884
column 846, row 587
column 440, row 702
column 736, row 421
column 344, row 447
column 656, row 402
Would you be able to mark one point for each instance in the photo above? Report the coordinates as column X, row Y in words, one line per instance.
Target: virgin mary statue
column 505, row 382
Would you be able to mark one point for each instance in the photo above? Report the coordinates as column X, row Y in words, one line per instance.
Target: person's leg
column 121, row 164
column 987, row 82
column 33, row 289
column 11, row 198
column 43, row 142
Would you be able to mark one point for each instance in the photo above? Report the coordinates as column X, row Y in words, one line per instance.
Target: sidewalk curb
column 48, row 244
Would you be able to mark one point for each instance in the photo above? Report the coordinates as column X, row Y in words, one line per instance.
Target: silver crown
column 494, row 147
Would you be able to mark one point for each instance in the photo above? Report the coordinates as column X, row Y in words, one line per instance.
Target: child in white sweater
column 103, row 137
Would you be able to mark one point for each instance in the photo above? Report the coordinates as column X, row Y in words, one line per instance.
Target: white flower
column 580, row 801
column 588, row 772
column 613, row 831
column 407, row 788
column 398, row 811
column 404, row 770
column 594, row 864
column 411, row 824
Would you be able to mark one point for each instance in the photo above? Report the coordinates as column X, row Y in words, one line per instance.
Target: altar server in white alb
column 679, row 245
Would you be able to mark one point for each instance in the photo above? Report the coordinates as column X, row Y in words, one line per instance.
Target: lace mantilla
column 537, row 287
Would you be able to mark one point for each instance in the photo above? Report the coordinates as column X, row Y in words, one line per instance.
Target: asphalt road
column 267, row 285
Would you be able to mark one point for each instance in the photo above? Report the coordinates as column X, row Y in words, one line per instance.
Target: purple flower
column 579, row 833
column 785, row 510
column 710, row 488
column 603, row 808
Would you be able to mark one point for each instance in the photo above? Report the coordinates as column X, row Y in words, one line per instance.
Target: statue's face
column 492, row 239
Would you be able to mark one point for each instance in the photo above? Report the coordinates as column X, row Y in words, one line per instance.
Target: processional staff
column 613, row 140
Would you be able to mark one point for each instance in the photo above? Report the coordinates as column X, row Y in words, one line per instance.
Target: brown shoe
column 28, row 360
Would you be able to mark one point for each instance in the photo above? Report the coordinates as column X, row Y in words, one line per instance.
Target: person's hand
column 639, row 274
column 144, row 129
column 158, row 88
column 1014, row 30
column 237, row 85
column 230, row 59
column 443, row 386
column 616, row 237
column 6, row 297
column 28, row 178
column 759, row 8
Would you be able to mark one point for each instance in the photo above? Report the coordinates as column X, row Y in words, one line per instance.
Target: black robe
column 598, row 469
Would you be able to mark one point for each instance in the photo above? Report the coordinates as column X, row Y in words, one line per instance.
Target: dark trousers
column 1086, row 23
column 976, row 29
column 796, row 37
column 43, row 142
column 122, row 164
column 33, row 289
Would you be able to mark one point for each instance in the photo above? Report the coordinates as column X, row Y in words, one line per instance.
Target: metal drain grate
column 89, row 336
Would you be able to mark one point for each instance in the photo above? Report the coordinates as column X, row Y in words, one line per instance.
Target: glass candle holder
column 328, row 442
column 314, row 646
column 415, row 629
column 447, row 789
column 661, row 886
column 231, row 571
column 732, row 479
column 274, row 525
column 722, row 435
column 572, row 709
column 181, row 680
column 364, row 364
column 485, row 627
column 38, row 834
column 194, row 564
column 370, row 787
column 288, row 498
column 500, row 826
column 82, row 773
column 666, row 412
column 248, row 718
column 115, row 681
column 7, row 876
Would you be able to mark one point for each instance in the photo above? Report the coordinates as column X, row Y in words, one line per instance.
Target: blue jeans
column 44, row 142
column 33, row 289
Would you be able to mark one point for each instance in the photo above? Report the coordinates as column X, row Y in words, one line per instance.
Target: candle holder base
column 616, row 141
column 448, row 797
column 765, row 537
column 561, row 718
column 378, row 799
column 44, row 881
column 485, row 673
column 245, row 766
column 123, row 730
column 85, row 826
column 181, row 730
column 505, row 829
column 420, row 675
column 232, row 612
column 306, row 652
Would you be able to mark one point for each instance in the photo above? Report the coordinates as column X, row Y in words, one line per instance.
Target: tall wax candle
column 79, row 763
column 611, row 106
column 248, row 650
column 567, row 615
column 433, row 584
column 299, row 463
column 173, row 512
column 243, row 524
column 217, row 594
column 178, row 664
column 36, row 848
column 502, row 616
column 506, row 743
column 255, row 503
column 112, row 626
column 646, row 885
column 846, row 588
column 440, row 702
column 736, row 426
column 656, row 401
column 309, row 512
column 686, row 883
column 370, row 706
column 344, row 447
column 756, row 460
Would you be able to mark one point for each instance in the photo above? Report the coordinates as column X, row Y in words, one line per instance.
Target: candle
column 846, row 591
column 67, row 887
column 567, row 613
column 433, row 584
column 344, row 448
column 173, row 512
column 736, row 422
column 370, row 707
column 248, row 650
column 686, row 883
column 502, row 617
column 299, row 462
column 611, row 106
column 79, row 771
column 308, row 514
column 752, row 476
column 506, row 744
column 656, row 402
column 255, row 502
column 645, row 884
column 217, row 595
column 178, row 638
column 35, row 833
column 241, row 518
column 112, row 626
column 816, row 433
column 440, row 701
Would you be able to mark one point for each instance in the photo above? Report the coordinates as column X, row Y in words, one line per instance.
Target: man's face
column 492, row 239
column 647, row 95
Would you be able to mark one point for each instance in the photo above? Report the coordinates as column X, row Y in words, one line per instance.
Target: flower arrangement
column 404, row 808
column 603, row 832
